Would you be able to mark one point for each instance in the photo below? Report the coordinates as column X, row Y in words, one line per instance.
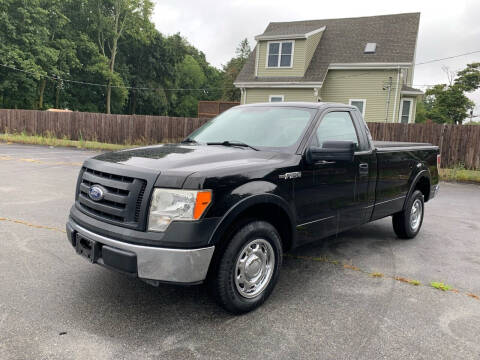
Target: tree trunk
column 57, row 96
column 112, row 67
column 113, row 55
column 43, row 83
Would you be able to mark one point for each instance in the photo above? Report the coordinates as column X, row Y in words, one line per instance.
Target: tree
column 447, row 104
column 98, row 55
column 232, row 69
column 114, row 19
column 469, row 78
column 189, row 76
column 25, row 44
column 243, row 50
column 420, row 113
column 148, row 64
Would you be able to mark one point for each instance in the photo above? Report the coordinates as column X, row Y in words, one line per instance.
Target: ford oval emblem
column 96, row 192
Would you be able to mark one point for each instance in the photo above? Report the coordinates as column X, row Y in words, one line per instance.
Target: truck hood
column 186, row 158
column 176, row 162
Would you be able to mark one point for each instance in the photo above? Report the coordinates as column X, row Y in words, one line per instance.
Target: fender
column 416, row 179
column 248, row 202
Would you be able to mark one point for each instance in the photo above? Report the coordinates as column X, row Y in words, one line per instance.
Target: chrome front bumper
column 162, row 264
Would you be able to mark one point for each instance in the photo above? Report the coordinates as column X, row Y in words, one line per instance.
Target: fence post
column 444, row 126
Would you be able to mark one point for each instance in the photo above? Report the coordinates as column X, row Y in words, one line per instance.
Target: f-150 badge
column 291, row 175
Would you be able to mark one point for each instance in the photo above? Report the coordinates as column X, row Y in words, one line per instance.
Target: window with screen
column 280, row 54
column 276, row 98
column 336, row 125
column 405, row 116
column 359, row 104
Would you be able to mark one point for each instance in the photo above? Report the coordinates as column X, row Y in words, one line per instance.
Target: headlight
column 170, row 204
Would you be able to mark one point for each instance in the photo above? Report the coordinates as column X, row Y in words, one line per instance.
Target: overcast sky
column 447, row 28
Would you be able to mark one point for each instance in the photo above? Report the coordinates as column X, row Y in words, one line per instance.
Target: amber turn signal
column 204, row 198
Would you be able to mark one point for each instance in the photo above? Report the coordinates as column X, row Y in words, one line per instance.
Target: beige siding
column 311, row 46
column 343, row 85
column 409, row 76
column 262, row 95
column 298, row 66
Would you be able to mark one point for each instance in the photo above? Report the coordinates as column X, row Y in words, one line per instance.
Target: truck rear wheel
column 408, row 222
column 248, row 269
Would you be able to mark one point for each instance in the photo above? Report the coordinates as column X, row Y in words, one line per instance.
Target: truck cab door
column 326, row 196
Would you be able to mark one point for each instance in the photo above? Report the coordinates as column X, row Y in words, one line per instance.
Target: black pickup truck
column 254, row 182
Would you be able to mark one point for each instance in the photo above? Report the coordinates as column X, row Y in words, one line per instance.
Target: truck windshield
column 275, row 128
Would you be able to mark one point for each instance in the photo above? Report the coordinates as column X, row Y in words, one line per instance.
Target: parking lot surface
column 328, row 304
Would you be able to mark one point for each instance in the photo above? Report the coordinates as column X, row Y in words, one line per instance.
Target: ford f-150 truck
column 256, row 181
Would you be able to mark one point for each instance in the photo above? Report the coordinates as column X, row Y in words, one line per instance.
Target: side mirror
column 331, row 151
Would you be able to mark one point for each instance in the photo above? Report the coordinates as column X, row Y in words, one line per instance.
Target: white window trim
column 279, row 96
column 364, row 101
column 409, row 111
column 280, row 54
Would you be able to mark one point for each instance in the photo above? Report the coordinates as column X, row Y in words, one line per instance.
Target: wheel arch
column 268, row 207
column 420, row 182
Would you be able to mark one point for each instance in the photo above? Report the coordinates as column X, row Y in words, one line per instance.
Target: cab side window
column 336, row 125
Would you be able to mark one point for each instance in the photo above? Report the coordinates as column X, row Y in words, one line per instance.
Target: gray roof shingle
column 410, row 89
column 344, row 41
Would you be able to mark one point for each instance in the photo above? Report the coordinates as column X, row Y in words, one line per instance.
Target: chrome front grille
column 122, row 202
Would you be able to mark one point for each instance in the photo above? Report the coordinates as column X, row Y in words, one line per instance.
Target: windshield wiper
column 232, row 143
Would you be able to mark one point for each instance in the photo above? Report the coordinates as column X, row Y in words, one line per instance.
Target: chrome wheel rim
column 416, row 215
column 254, row 268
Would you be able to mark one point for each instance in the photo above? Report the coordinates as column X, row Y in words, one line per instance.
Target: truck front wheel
column 248, row 269
column 408, row 222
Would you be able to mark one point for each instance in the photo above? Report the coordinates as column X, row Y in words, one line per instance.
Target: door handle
column 363, row 168
column 324, row 162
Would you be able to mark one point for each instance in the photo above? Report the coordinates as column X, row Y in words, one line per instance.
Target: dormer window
column 280, row 54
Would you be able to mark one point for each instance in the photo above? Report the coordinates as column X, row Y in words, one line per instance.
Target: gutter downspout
column 387, row 108
column 396, row 95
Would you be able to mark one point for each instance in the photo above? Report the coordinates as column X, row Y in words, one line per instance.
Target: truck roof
column 304, row 104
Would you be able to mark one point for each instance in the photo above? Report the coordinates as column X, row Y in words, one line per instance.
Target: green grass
column 459, row 174
column 49, row 140
column 440, row 286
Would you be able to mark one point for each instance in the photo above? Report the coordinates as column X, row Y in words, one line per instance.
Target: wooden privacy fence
column 459, row 144
column 210, row 109
column 117, row 129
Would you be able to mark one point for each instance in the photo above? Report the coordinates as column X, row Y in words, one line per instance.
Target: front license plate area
column 89, row 249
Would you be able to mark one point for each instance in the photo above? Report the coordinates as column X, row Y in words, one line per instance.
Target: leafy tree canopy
column 232, row 69
column 111, row 43
column 448, row 103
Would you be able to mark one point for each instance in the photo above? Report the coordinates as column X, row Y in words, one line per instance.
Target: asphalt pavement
column 346, row 297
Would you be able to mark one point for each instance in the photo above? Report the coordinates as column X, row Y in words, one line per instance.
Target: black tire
column 222, row 280
column 402, row 224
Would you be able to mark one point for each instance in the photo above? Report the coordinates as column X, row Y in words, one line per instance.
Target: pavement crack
column 36, row 226
column 348, row 266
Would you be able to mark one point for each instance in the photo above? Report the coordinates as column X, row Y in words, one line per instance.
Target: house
column 366, row 61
